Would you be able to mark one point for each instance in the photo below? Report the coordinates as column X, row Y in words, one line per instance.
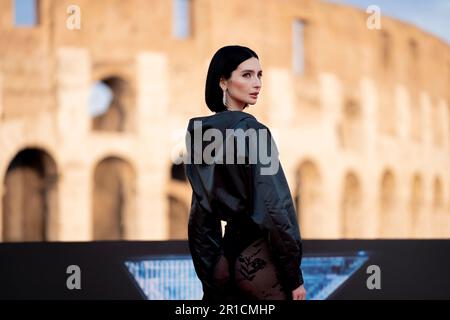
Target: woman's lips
column 254, row 95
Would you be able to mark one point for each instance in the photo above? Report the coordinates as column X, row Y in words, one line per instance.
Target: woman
column 260, row 254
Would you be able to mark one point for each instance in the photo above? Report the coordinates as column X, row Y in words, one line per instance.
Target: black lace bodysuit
column 252, row 272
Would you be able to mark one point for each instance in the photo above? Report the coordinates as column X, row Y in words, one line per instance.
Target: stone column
column 154, row 139
column 427, row 147
column 73, row 84
column 370, row 175
column 281, row 100
column 331, row 163
column 2, row 173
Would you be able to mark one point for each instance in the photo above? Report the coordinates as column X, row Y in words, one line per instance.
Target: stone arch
column 387, row 204
column 416, row 206
column 352, row 218
column 437, row 195
column 438, row 208
column 29, row 201
column 11, row 153
column 351, row 126
column 179, row 197
column 308, row 200
column 114, row 199
column 112, row 105
column 178, row 218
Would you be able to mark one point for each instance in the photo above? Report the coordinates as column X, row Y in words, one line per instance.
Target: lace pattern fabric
column 249, row 275
column 256, row 276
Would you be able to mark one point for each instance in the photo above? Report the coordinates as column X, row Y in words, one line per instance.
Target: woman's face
column 244, row 84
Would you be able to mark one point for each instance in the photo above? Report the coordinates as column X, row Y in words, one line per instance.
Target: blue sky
column 25, row 12
column 430, row 15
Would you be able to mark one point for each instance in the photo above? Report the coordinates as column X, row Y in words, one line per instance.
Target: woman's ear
column 223, row 83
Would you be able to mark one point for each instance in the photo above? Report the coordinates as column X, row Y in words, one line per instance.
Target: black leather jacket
column 230, row 191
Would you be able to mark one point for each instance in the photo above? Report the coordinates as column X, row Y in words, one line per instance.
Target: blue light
column 174, row 277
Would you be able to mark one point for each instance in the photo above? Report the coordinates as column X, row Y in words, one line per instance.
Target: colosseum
column 360, row 116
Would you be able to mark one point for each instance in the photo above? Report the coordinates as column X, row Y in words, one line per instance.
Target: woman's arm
column 205, row 244
column 273, row 208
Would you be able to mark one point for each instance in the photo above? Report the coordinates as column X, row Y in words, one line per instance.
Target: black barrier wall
column 333, row 269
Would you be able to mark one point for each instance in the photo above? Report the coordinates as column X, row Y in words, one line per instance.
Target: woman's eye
column 246, row 74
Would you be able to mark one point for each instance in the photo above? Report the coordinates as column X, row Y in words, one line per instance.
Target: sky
column 25, row 12
column 430, row 15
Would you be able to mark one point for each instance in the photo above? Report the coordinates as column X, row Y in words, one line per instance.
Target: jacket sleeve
column 205, row 244
column 274, row 211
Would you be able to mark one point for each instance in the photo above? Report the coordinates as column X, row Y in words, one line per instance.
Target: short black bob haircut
column 222, row 64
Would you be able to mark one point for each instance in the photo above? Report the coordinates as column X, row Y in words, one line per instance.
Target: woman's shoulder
column 229, row 119
column 252, row 123
column 198, row 118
